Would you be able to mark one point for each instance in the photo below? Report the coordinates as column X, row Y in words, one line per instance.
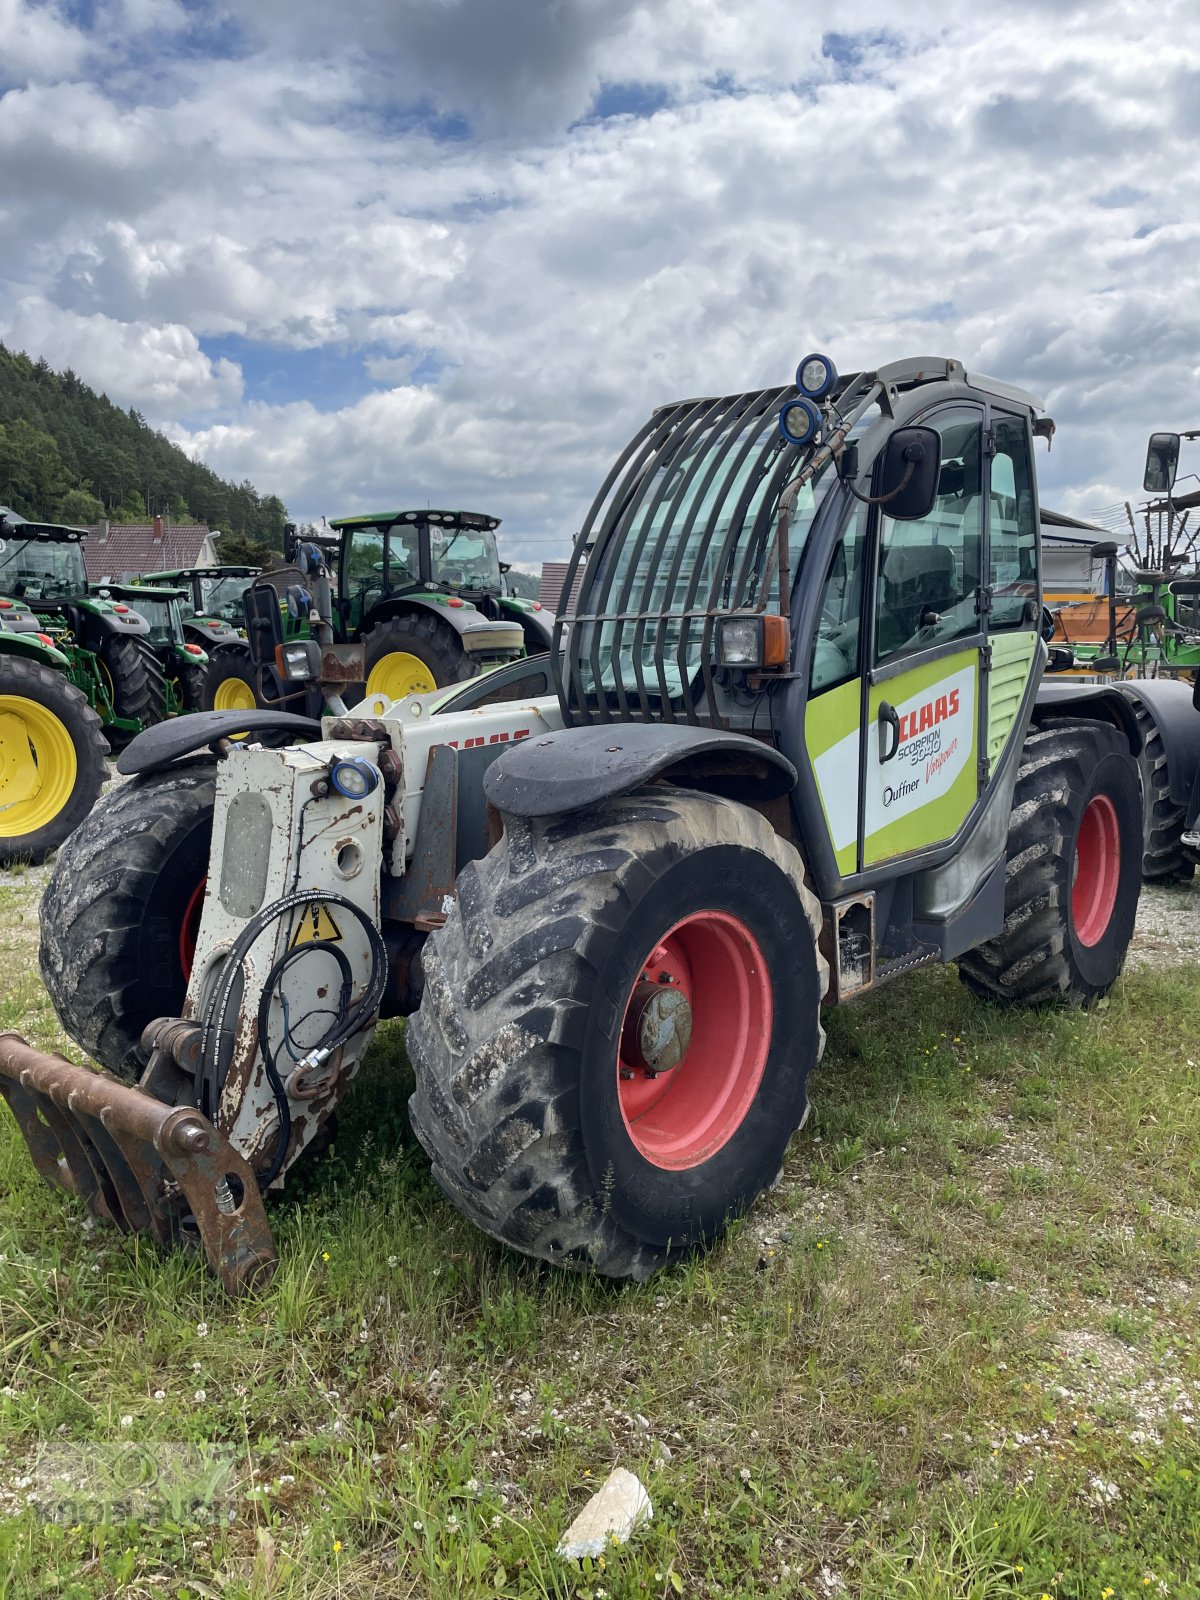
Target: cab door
column 922, row 721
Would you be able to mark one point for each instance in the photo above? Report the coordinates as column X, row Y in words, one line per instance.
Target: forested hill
column 67, row 454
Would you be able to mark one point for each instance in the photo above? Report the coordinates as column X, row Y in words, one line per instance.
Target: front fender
column 576, row 767
column 30, row 648
column 1091, row 702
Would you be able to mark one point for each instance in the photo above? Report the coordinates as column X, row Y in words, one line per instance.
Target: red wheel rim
column 1097, row 870
column 189, row 928
column 681, row 1116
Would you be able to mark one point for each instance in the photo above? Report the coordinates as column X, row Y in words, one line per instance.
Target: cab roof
column 445, row 519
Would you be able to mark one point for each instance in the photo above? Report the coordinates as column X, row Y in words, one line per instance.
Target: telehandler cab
column 793, row 743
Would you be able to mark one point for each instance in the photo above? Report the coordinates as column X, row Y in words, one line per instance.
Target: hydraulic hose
column 209, row 1079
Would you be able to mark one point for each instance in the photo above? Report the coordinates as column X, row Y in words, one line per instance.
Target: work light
column 799, row 421
column 354, row 777
column 815, row 376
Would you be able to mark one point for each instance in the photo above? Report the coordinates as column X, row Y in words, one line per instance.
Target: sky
column 454, row 251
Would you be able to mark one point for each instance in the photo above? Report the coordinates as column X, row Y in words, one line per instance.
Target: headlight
column 799, row 421
column 756, row 641
column 354, row 777
column 815, row 376
column 300, row 661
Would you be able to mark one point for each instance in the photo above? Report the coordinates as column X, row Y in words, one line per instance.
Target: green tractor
column 52, row 747
column 184, row 663
column 423, row 592
column 211, row 602
column 106, row 642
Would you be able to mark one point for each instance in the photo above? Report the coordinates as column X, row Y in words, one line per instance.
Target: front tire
column 52, row 759
column 413, row 654
column 535, row 1094
column 229, row 682
column 119, row 914
column 1074, row 871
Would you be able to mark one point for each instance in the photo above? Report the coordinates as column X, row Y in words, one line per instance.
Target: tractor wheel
column 413, row 654
column 1074, row 871
column 190, row 683
column 135, row 683
column 618, row 1023
column 121, row 912
column 52, row 764
column 229, row 682
column 1162, row 819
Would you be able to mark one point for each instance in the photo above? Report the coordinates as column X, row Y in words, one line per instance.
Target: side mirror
column 1047, row 624
column 909, row 469
column 1101, row 552
column 1162, row 462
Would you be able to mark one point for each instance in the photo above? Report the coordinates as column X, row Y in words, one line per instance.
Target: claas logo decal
column 928, row 716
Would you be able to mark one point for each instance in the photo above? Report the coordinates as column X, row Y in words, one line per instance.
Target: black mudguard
column 463, row 619
column 557, row 772
column 1092, row 702
column 1171, row 705
column 183, row 736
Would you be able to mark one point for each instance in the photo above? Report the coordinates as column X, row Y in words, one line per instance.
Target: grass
column 952, row 1356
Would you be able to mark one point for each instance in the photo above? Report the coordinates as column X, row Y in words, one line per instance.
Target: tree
column 77, row 506
column 239, row 550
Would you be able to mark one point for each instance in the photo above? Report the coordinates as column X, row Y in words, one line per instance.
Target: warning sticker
column 316, row 922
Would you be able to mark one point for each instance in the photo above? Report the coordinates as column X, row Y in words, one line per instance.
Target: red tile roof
column 119, row 550
column 550, row 593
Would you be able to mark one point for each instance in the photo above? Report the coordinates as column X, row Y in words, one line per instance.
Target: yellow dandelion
column 337, row 1545
column 324, row 1255
column 1018, row 1570
column 820, row 1244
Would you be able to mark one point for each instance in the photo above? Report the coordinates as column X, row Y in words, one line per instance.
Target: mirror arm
column 883, row 499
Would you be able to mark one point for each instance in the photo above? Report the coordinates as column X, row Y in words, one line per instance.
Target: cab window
column 1012, row 531
column 929, row 570
column 835, row 648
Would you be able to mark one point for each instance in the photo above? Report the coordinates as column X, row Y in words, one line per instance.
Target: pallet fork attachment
column 144, row 1166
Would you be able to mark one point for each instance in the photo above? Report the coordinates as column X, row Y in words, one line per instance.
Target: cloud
column 528, row 223
column 159, row 369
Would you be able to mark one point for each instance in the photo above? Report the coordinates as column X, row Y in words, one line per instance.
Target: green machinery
column 422, row 590
column 184, row 663
column 106, row 641
column 52, row 747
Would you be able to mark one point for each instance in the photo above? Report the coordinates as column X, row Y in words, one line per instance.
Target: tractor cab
column 210, row 601
column 40, row 562
column 402, row 552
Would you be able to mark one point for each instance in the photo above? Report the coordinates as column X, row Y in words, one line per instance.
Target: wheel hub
column 658, row 1027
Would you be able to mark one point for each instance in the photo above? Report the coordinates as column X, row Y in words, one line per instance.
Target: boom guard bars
column 141, row 1164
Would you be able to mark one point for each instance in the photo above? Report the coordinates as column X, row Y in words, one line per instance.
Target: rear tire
column 413, row 654
column 136, row 683
column 116, row 913
column 52, row 759
column 191, row 682
column 1162, row 839
column 542, row 1129
column 1073, row 874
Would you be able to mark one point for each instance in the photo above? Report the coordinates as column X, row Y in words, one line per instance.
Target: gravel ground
column 1168, row 926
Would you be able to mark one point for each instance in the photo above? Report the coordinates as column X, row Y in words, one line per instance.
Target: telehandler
column 793, row 743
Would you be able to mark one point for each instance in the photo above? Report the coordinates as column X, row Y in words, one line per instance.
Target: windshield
column 693, row 542
column 464, row 559
column 37, row 569
column 220, row 597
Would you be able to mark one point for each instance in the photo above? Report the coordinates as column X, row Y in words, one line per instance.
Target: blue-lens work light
column 799, row 421
column 354, row 777
column 815, row 376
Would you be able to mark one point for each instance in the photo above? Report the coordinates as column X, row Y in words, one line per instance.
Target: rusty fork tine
column 145, row 1165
